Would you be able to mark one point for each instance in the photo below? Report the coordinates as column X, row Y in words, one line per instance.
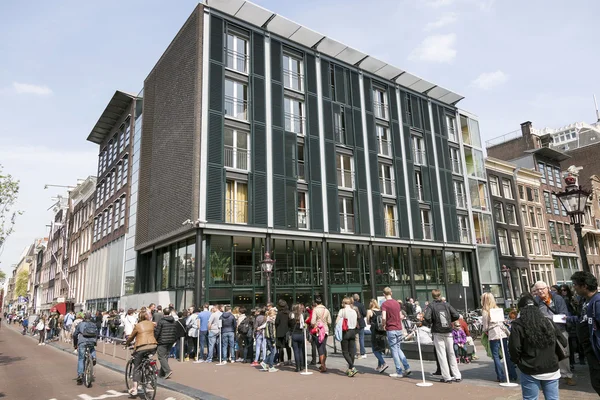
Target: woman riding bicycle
column 145, row 344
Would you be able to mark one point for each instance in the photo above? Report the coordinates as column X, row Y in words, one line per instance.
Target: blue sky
column 62, row 61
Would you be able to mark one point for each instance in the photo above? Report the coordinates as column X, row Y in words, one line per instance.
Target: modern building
column 262, row 136
column 113, row 133
column 532, row 151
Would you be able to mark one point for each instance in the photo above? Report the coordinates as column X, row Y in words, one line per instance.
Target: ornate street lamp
column 267, row 266
column 574, row 199
column 506, row 274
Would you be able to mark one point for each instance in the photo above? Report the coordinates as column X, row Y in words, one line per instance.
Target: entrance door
column 337, row 296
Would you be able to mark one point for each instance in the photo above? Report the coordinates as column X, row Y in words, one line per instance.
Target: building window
column 547, row 203
column 427, row 224
column 479, row 195
column 110, row 220
column 536, row 195
column 521, row 192
column 386, row 179
column 302, row 210
column 536, row 244
column 96, row 229
column 499, row 212
column 557, row 177
column 455, row 160
column 503, row 242
column 494, row 188
column 294, row 115
column 339, row 127
column 540, row 218
column 418, row 150
column 555, row 205
column 346, row 205
column 117, row 214
column 125, row 171
column 127, row 132
column 507, row 189
column 419, row 185
column 550, row 175
column 568, row 235
column 529, row 243
column 511, row 215
column 345, row 171
column 459, row 192
column 237, row 53
column 123, row 207
column 293, row 73
column 532, row 217
column 524, row 216
column 541, row 170
column 301, row 162
column 515, row 238
column 236, row 202
column 552, row 227
column 451, row 126
column 237, row 154
column 236, row 100
column 391, row 225
column 463, row 228
column 104, row 223
column 380, row 103
column 384, row 142
column 544, row 241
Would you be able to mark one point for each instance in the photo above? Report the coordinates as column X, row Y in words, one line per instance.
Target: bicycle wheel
column 88, row 371
column 129, row 374
column 149, row 382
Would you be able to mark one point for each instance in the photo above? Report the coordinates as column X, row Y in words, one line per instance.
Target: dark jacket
column 529, row 359
column 78, row 337
column 157, row 316
column 559, row 307
column 228, row 323
column 431, row 317
column 282, row 322
column 166, row 331
column 363, row 314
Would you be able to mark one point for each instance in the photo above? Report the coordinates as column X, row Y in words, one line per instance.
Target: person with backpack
column 360, row 328
column 348, row 319
column 440, row 315
column 296, row 323
column 374, row 318
column 85, row 334
column 244, row 328
column 391, row 317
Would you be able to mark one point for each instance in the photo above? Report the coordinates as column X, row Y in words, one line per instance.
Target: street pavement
column 29, row 371
column 242, row 381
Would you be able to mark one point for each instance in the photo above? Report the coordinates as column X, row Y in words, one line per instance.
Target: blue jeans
column 271, row 349
column 203, row 344
column 530, row 388
column 81, row 354
column 361, row 341
column 394, row 339
column 228, row 341
column 212, row 339
column 260, row 346
column 379, row 356
column 495, row 349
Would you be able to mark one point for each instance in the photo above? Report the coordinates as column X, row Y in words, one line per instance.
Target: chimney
column 526, row 129
column 531, row 141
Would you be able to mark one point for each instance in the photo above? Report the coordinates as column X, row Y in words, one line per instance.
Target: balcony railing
column 236, row 108
column 293, row 80
column 456, row 166
column 386, row 186
column 294, row 123
column 345, row 179
column 461, row 201
column 301, row 170
column 380, row 110
column 419, row 156
column 237, row 61
column 236, row 158
column 385, row 147
column 236, row 211
column 391, row 227
column 346, row 223
column 464, row 235
column 302, row 218
column 420, row 192
column 427, row 231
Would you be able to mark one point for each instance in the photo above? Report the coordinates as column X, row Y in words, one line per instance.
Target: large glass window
column 555, row 205
column 294, row 115
column 336, row 264
column 547, row 203
column 426, row 224
column 475, row 163
column 293, row 73
column 507, row 189
column 346, row 207
column 553, row 236
column 237, row 53
column 503, row 242
column 557, row 177
column 511, row 216
column 386, row 179
column 515, row 238
column 463, row 227
column 302, row 210
column 391, row 223
column 301, row 162
column 494, row 189
column 380, row 103
column 345, row 171
column 544, row 244
column 451, row 127
column 483, row 228
column 568, row 235
column 455, row 160
column 561, row 233
column 542, row 170
column 190, row 262
column 236, row 202
column 418, row 146
column 459, row 192
column 536, row 244
column 236, row 99
column 419, row 185
column 237, row 153
column 220, row 260
column 339, row 126
column 242, row 260
column 391, row 265
column 384, row 142
column 499, row 212
column 479, row 197
column 524, row 216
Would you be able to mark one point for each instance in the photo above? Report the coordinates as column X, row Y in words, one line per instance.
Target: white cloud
column 28, row 88
column 490, row 80
column 444, row 20
column 439, row 3
column 436, row 48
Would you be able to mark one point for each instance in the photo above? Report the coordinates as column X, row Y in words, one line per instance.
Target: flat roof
column 550, row 153
column 285, row 28
column 117, row 105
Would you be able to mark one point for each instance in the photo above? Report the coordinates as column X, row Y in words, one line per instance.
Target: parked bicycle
column 88, row 367
column 148, row 376
column 475, row 324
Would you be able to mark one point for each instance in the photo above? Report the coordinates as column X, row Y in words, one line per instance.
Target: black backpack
column 442, row 317
column 245, row 326
column 377, row 322
column 89, row 330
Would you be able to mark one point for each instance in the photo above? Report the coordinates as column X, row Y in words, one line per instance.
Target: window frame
column 507, row 189
column 383, row 179
column 345, row 216
column 292, row 122
column 234, row 210
column 234, row 98
column 495, row 186
column 503, row 242
column 341, row 172
column 235, row 150
column 380, row 103
column 419, row 150
column 235, row 53
column 288, row 74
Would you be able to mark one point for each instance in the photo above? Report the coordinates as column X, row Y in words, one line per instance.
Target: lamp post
column 506, row 274
column 573, row 199
column 267, row 267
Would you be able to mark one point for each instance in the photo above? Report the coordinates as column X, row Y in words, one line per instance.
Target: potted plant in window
column 219, row 266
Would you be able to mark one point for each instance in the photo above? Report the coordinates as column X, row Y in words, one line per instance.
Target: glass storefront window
column 284, row 265
column 352, row 264
column 242, row 261
column 336, row 264
column 488, row 265
column 190, row 263
column 301, row 260
column 220, row 262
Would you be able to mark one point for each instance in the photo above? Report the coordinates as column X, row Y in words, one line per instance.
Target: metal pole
column 465, row 294
column 421, row 384
column 268, row 286
column 306, row 371
column 198, row 340
column 584, row 262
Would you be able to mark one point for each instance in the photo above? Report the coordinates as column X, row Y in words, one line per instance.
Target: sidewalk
column 235, row 381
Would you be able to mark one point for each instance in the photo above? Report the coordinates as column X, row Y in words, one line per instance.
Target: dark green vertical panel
column 278, row 152
column 393, row 104
column 349, row 126
column 258, row 103
column 215, row 194
column 314, row 160
column 451, row 220
column 372, row 140
column 216, row 89
column 313, row 116
column 403, row 218
column 290, row 204
column 368, row 94
column 340, row 87
column 361, row 170
column 332, row 209
column 215, row 138
column 260, row 200
column 378, row 214
column 355, row 89
column 330, row 163
column 399, row 175
column 276, row 60
column 425, row 111
column 357, row 118
column 279, row 205
column 363, row 212
column 437, row 222
column 277, row 104
column 216, row 39
column 250, row 198
column 374, row 170
column 416, row 219
column 259, row 156
column 258, row 55
column 408, row 144
column 290, row 155
column 325, row 75
column 316, row 207
column 311, row 74
column 328, row 119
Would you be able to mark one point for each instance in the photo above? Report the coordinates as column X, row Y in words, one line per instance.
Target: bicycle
column 88, row 367
column 148, row 372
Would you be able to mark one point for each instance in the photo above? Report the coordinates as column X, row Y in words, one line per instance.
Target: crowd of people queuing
column 541, row 338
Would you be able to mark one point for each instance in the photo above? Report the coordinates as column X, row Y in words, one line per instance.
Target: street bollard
column 182, row 348
column 103, row 347
column 114, row 349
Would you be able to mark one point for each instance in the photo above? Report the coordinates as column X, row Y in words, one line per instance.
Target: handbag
column 560, row 350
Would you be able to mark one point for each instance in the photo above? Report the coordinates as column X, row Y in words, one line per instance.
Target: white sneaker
column 363, row 356
column 232, row 361
column 394, row 375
